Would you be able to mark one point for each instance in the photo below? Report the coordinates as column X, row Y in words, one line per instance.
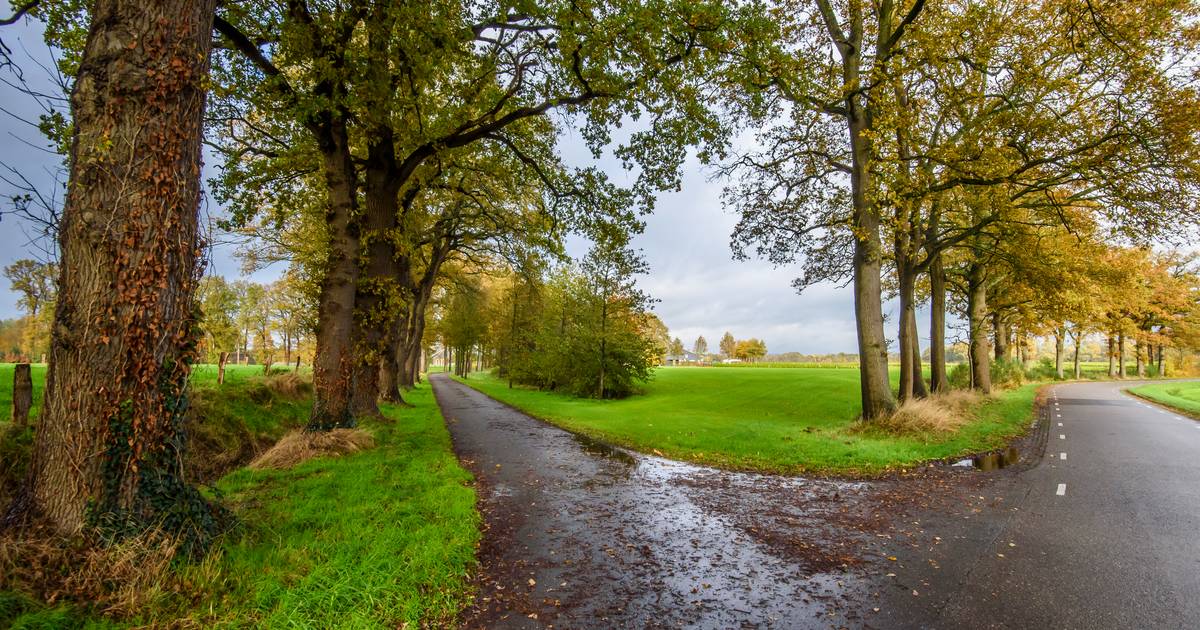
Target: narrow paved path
column 584, row 536
column 1104, row 533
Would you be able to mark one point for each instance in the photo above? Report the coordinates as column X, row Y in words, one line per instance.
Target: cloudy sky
column 702, row 291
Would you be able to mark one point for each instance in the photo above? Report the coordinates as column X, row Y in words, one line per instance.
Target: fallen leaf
column 532, row 582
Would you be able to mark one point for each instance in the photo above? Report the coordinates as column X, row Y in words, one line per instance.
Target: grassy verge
column 1181, row 396
column 380, row 539
column 772, row 419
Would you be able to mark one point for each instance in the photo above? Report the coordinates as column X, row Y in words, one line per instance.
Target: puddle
column 994, row 460
column 595, row 447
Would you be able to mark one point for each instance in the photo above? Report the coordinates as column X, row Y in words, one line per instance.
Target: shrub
column 1007, row 373
column 1044, row 370
column 960, row 376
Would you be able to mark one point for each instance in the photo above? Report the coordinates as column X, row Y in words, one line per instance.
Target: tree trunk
column 919, row 388
column 389, row 366
column 1059, row 342
column 981, row 371
column 107, row 449
column 1121, row 355
column 905, row 332
column 1000, row 330
column 877, row 398
column 1079, row 341
column 376, row 298
column 333, row 365
column 939, row 381
column 1137, row 351
column 1161, row 373
column 222, row 359
column 1112, row 358
column 22, row 395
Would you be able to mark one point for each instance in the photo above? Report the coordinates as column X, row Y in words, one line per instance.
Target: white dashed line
column 1062, row 490
column 1061, row 436
column 1060, row 424
column 1062, row 456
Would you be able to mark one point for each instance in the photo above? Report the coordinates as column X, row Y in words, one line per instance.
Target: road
column 1100, row 532
column 1103, row 533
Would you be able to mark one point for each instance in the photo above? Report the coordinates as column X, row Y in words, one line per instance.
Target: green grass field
column 380, row 539
column 769, row 419
column 1184, row 396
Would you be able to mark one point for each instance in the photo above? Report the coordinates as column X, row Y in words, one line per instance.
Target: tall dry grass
column 938, row 414
column 301, row 446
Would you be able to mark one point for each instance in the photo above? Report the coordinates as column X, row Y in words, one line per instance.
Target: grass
column 800, row 420
column 1182, row 396
column 382, row 538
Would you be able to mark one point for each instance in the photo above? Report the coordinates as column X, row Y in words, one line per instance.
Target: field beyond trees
column 786, row 420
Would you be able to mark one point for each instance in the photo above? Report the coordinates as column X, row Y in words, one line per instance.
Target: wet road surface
column 580, row 535
column 1104, row 532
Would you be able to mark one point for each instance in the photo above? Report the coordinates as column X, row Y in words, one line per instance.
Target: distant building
column 731, row 360
column 687, row 357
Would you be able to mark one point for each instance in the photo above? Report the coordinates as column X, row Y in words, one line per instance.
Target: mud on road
column 582, row 535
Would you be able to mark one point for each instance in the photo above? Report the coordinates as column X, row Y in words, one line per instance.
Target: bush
column 1044, row 370
column 1005, row 373
column 960, row 376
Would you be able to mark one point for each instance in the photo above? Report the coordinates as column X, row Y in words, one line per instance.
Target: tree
column 122, row 339
column 327, row 100
column 34, row 281
column 925, row 111
column 701, row 346
column 728, row 345
column 676, row 347
column 750, row 349
column 218, row 302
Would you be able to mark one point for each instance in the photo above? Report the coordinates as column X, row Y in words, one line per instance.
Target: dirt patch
column 300, row 446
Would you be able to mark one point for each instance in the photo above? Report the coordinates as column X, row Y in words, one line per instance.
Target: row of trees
column 583, row 328
column 371, row 145
column 251, row 322
column 745, row 349
column 951, row 149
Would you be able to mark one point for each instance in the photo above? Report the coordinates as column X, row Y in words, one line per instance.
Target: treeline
column 248, row 322
column 581, row 328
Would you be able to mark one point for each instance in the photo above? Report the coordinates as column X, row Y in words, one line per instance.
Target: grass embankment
column 800, row 420
column 1181, row 396
column 382, row 538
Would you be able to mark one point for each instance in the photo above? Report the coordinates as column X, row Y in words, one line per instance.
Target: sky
column 700, row 288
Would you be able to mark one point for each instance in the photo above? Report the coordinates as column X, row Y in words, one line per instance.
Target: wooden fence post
column 22, row 395
column 221, row 368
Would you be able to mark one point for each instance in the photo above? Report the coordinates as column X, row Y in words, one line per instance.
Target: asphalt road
column 1104, row 532
column 1099, row 528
